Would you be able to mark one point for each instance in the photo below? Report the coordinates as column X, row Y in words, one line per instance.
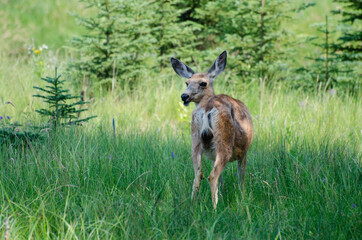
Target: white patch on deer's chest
column 204, row 121
column 197, row 119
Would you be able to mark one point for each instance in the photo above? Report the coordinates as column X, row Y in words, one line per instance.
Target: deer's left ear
column 218, row 66
column 181, row 69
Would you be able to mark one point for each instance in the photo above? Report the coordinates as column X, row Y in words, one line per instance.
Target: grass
column 304, row 171
column 31, row 22
column 303, row 174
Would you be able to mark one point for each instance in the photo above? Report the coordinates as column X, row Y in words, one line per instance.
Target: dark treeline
column 127, row 40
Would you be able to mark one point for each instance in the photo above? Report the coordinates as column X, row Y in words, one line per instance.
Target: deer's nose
column 184, row 97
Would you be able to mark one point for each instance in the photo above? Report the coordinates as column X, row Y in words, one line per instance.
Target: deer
column 221, row 126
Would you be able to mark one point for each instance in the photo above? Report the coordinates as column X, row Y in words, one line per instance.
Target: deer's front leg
column 196, row 159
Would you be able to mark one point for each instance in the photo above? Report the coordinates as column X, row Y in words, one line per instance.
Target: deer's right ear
column 181, row 69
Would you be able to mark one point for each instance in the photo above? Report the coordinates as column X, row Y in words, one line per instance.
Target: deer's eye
column 203, row 84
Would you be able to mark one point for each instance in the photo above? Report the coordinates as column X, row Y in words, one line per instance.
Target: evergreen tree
column 60, row 111
column 113, row 49
column 191, row 7
column 348, row 48
column 173, row 36
column 323, row 69
column 250, row 30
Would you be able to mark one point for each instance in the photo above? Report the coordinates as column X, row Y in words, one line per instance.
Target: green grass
column 303, row 174
column 33, row 23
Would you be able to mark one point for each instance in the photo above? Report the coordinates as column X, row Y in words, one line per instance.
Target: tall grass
column 304, row 165
column 304, row 170
column 90, row 186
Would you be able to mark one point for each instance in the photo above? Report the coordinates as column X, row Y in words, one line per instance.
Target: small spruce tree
column 323, row 69
column 60, row 111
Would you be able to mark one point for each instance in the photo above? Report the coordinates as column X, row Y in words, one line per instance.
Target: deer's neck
column 207, row 96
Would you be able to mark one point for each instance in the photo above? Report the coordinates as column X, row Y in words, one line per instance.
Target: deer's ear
column 218, row 66
column 181, row 69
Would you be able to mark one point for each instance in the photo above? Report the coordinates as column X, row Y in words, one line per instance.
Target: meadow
column 128, row 173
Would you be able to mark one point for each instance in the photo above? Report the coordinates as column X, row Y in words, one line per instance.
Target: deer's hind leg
column 219, row 165
column 224, row 134
column 242, row 170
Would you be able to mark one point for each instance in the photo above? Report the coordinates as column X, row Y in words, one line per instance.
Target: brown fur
column 221, row 127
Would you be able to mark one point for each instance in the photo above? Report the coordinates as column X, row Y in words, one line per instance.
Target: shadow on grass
column 137, row 185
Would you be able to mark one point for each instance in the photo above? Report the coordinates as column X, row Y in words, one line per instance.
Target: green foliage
column 124, row 37
column 134, row 181
column 349, row 44
column 348, row 48
column 323, row 71
column 251, row 31
column 14, row 134
column 59, row 110
column 112, row 50
column 88, row 184
column 121, row 42
column 171, row 34
column 335, row 64
column 260, row 48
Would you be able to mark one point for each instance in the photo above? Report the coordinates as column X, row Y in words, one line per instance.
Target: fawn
column 221, row 126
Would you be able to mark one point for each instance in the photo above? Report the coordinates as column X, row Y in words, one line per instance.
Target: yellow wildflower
column 37, row 51
column 40, row 63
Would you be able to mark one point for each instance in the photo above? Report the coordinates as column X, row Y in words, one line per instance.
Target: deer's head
column 198, row 85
